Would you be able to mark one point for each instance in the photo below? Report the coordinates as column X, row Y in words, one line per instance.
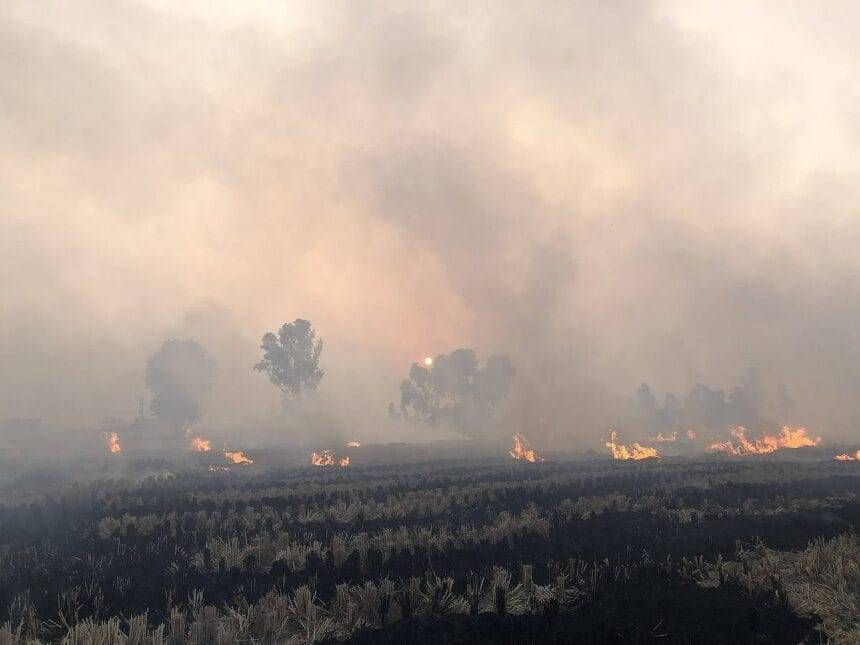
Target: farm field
column 437, row 323
column 445, row 550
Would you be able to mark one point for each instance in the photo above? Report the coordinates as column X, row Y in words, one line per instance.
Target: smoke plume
column 607, row 193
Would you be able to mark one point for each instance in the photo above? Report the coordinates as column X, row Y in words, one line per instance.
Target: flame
column 428, row 361
column 522, row 450
column 788, row 437
column 113, row 443
column 848, row 457
column 218, row 469
column 671, row 438
column 323, row 458
column 353, row 444
column 635, row 451
column 200, row 444
column 327, row 458
column 238, row 457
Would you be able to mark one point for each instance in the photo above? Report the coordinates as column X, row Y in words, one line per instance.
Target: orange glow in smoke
column 200, row 444
column 238, row 457
column 113, row 443
column 848, row 457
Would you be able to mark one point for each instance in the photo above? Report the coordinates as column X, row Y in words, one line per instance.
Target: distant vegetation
column 457, row 390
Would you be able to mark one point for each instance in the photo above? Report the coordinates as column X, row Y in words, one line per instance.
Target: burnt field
column 448, row 550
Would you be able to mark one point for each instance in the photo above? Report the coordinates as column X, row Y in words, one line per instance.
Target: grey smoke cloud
column 711, row 411
column 608, row 193
column 179, row 375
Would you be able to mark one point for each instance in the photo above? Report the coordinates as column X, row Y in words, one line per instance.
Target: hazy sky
column 608, row 192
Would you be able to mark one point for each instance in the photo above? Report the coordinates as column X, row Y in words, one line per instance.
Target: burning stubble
column 328, row 458
column 113, row 444
column 848, row 457
column 787, row 438
column 635, row 451
column 238, row 458
column 522, row 450
column 199, row 444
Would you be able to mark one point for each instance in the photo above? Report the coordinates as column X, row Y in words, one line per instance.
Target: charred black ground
column 446, row 550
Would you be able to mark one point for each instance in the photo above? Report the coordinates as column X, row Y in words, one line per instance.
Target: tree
column 179, row 375
column 292, row 358
column 647, row 412
column 455, row 389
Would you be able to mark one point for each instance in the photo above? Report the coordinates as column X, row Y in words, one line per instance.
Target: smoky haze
column 608, row 193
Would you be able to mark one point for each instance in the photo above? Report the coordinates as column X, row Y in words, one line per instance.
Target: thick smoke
column 608, row 193
column 711, row 411
column 179, row 375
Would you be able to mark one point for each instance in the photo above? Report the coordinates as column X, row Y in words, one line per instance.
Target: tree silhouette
column 456, row 389
column 179, row 374
column 291, row 358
